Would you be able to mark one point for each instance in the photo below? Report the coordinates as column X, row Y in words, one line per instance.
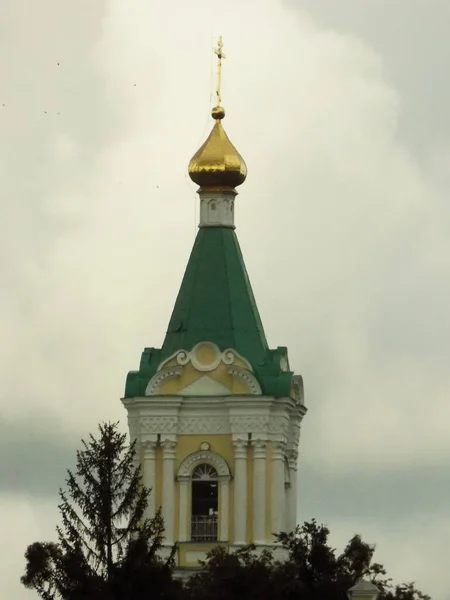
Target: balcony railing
column 204, row 528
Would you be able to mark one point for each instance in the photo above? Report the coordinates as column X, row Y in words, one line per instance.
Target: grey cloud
column 35, row 453
column 394, row 496
column 412, row 38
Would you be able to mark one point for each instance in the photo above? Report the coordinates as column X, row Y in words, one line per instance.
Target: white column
column 291, row 504
column 168, row 491
column 240, row 491
column 224, row 491
column 259, row 492
column 278, row 492
column 136, row 463
column 137, row 455
column 183, row 512
column 149, row 476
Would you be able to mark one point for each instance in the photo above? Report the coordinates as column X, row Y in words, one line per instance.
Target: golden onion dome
column 217, row 164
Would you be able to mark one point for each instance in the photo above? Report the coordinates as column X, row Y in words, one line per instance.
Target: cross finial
column 220, row 55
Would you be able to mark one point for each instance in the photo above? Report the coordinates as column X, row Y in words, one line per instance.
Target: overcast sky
column 340, row 109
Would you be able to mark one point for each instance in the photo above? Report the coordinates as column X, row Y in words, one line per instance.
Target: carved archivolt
column 160, row 377
column 248, row 378
column 204, row 357
column 204, row 456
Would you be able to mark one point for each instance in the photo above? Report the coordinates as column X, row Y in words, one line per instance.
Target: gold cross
column 220, row 55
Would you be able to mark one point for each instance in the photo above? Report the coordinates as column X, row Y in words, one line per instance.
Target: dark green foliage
column 237, row 575
column 105, row 548
column 313, row 571
column 317, row 564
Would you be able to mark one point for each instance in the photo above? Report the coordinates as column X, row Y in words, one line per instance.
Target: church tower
column 215, row 412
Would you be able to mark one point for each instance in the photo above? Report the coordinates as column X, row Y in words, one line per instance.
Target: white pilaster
column 217, row 208
column 278, row 492
column 183, row 534
column 149, row 475
column 259, row 491
column 291, row 496
column 240, row 491
column 168, row 491
column 224, row 510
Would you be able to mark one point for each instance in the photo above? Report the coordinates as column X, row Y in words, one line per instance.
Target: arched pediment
column 204, row 456
column 204, row 371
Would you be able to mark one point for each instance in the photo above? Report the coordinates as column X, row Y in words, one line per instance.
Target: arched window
column 205, row 503
column 204, row 478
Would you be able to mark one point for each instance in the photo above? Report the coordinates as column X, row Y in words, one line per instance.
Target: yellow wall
column 186, row 547
column 222, row 444
column 188, row 444
column 189, row 375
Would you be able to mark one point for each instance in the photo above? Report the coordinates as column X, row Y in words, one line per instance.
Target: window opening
column 205, row 503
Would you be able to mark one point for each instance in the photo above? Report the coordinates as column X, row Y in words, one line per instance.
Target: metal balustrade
column 204, row 528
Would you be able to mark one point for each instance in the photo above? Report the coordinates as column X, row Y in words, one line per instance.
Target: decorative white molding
column 217, row 209
column 259, row 449
column 287, row 473
column 168, row 447
column 204, row 456
column 149, row 448
column 255, row 425
column 183, row 357
column 162, row 425
column 278, row 451
column 240, row 448
column 199, row 422
column 160, row 377
column 279, row 425
column 248, row 378
column 292, row 457
column 202, row 423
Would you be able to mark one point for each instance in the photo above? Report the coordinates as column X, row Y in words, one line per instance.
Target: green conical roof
column 216, row 304
column 216, row 301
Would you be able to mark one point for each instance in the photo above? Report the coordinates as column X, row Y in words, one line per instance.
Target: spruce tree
column 105, row 548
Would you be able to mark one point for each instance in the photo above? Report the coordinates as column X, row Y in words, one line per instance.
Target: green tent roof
column 216, row 303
